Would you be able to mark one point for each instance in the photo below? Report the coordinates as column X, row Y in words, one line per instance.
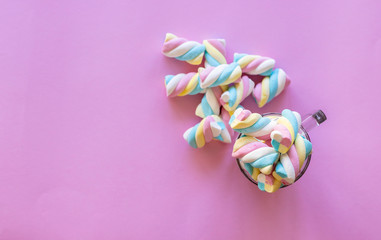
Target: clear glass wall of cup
column 310, row 122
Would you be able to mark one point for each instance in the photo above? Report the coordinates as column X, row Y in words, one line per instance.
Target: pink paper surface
column 91, row 147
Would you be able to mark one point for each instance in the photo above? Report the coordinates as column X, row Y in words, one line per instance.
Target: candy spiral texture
column 223, row 74
column 237, row 93
column 290, row 164
column 252, row 124
column 210, row 104
column 183, row 84
column 211, row 127
column 258, row 154
column 285, row 131
column 254, row 64
column 270, row 87
column 303, row 148
column 183, row 50
column 268, row 183
column 225, row 116
column 215, row 52
column 253, row 172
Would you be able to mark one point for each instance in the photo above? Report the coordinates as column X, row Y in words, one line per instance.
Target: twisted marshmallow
column 258, row 154
column 268, row 183
column 253, row 172
column 214, row 52
column 223, row 74
column 182, row 49
column 270, row 87
column 252, row 124
column 290, row 164
column 237, row 93
column 183, row 84
column 285, row 131
column 225, row 116
column 210, row 104
column 254, row 64
column 211, row 127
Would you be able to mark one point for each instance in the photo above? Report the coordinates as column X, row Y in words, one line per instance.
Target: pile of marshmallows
column 270, row 149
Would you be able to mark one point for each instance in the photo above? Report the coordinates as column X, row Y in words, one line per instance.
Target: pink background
column 91, row 148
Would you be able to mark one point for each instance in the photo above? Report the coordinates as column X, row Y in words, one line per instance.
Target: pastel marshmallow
column 211, row 127
column 223, row 74
column 214, row 52
column 285, row 131
column 291, row 163
column 183, row 49
column 268, row 183
column 252, row 124
column 270, row 87
column 236, row 93
column 183, row 84
column 258, row 154
column 210, row 104
column 254, row 64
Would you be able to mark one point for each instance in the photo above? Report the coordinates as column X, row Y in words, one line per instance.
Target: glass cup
column 312, row 121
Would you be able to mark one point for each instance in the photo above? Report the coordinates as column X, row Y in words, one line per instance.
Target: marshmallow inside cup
column 306, row 163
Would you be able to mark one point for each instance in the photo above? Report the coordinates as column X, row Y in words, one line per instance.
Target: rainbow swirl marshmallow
column 214, row 52
column 270, row 87
column 268, row 183
column 182, row 49
column 211, row 127
column 255, row 174
column 223, row 74
column 210, row 104
column 291, row 163
column 252, row 124
column 183, row 84
column 285, row 131
column 303, row 148
column 225, row 116
column 258, row 154
column 252, row 172
column 237, row 93
column 254, row 64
